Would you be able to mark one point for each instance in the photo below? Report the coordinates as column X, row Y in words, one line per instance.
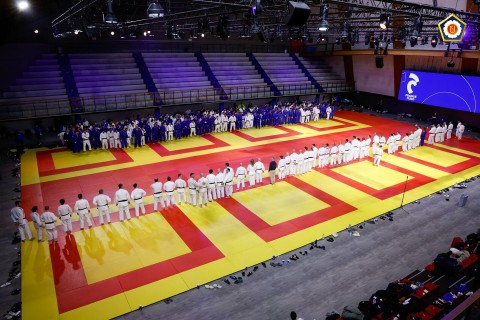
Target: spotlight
column 385, row 20
column 112, row 33
column 323, row 26
column 35, row 31
column 76, row 32
column 202, row 35
column 155, row 10
column 148, row 31
column 23, row 5
column 145, row 33
column 451, row 64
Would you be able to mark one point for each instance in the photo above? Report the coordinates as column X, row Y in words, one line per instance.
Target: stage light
column 148, row 31
column 110, row 17
column 323, row 26
column 112, row 33
column 23, row 5
column 76, row 32
column 155, row 10
column 35, row 31
column 451, row 64
column 202, row 35
column 145, row 33
column 385, row 20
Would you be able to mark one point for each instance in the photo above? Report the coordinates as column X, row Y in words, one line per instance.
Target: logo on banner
column 452, row 29
column 414, row 80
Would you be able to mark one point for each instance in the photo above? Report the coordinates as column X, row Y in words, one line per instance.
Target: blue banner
column 442, row 90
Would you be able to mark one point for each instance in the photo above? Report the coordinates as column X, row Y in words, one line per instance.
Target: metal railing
column 20, row 109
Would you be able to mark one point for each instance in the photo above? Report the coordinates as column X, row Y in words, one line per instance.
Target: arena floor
column 110, row 270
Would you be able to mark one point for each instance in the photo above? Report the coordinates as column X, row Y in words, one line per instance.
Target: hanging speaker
column 379, row 62
column 298, row 13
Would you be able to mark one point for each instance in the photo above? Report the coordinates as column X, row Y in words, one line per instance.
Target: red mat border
column 71, row 286
column 269, row 233
column 46, row 166
column 164, row 152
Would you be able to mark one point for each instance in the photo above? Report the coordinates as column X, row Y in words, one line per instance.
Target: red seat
column 430, row 267
column 433, row 310
column 469, row 261
column 456, row 241
column 426, row 289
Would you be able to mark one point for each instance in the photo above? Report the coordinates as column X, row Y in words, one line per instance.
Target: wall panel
column 368, row 78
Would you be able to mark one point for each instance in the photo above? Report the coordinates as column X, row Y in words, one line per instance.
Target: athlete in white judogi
column 157, row 188
column 137, row 197
column 64, row 212
column 192, row 189
column 169, row 188
column 102, row 201
column 219, row 180
column 49, row 219
column 212, row 186
column 259, row 170
column 181, row 185
column 202, row 185
column 241, row 173
column 122, row 200
column 37, row 223
column 18, row 216
column 82, row 208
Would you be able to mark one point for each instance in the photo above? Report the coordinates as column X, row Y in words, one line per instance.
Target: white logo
column 412, row 82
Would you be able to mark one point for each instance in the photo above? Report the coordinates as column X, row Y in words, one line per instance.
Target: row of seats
column 101, row 78
column 427, row 294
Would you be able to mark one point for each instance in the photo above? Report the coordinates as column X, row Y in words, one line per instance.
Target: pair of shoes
column 217, row 286
column 330, row 240
column 209, row 286
column 233, row 277
column 255, row 269
column 321, row 247
column 264, row 264
column 294, row 257
column 239, row 280
column 249, row 274
column 227, row 281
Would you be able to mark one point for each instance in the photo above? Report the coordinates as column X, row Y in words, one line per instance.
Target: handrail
column 18, row 109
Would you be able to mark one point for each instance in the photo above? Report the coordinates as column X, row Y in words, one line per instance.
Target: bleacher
column 107, row 78
column 178, row 76
column 425, row 294
column 285, row 74
column 237, row 75
column 323, row 74
column 40, row 87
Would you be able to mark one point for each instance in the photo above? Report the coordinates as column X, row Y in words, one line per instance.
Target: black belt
column 85, row 139
column 241, row 174
column 64, row 215
column 229, row 181
column 138, row 198
column 211, row 183
column 49, row 222
column 170, row 190
column 180, row 188
column 122, row 200
column 83, row 208
column 192, row 188
column 157, row 192
column 103, row 205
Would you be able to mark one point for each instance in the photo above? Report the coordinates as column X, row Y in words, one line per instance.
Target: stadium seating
column 323, row 74
column 237, row 75
column 40, row 87
column 179, row 77
column 108, row 78
column 285, row 74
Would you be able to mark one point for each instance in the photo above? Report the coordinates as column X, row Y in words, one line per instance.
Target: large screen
column 442, row 90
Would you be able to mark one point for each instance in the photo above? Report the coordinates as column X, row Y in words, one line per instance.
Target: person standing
column 259, row 169
column 192, row 189
column 422, row 136
column 378, row 156
column 122, row 200
column 137, row 196
column 102, row 201
column 228, row 180
column 37, row 223
column 212, row 186
column 240, row 174
column 202, row 185
column 461, row 130
column 180, row 184
column 333, row 155
column 272, row 168
column 281, row 168
column 82, row 208
column 64, row 212
column 431, row 134
column 157, row 188
column 169, row 187
column 49, row 220
column 18, row 217
column 449, row 130
column 251, row 173
column 86, row 140
column 219, row 179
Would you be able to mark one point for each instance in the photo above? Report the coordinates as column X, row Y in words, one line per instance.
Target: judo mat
column 109, row 270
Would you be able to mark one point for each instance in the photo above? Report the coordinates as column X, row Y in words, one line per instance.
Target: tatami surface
column 113, row 269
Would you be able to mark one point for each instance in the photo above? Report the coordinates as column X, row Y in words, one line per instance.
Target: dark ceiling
column 189, row 18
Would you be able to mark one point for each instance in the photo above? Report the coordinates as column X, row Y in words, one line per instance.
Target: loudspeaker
column 379, row 62
column 298, row 13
